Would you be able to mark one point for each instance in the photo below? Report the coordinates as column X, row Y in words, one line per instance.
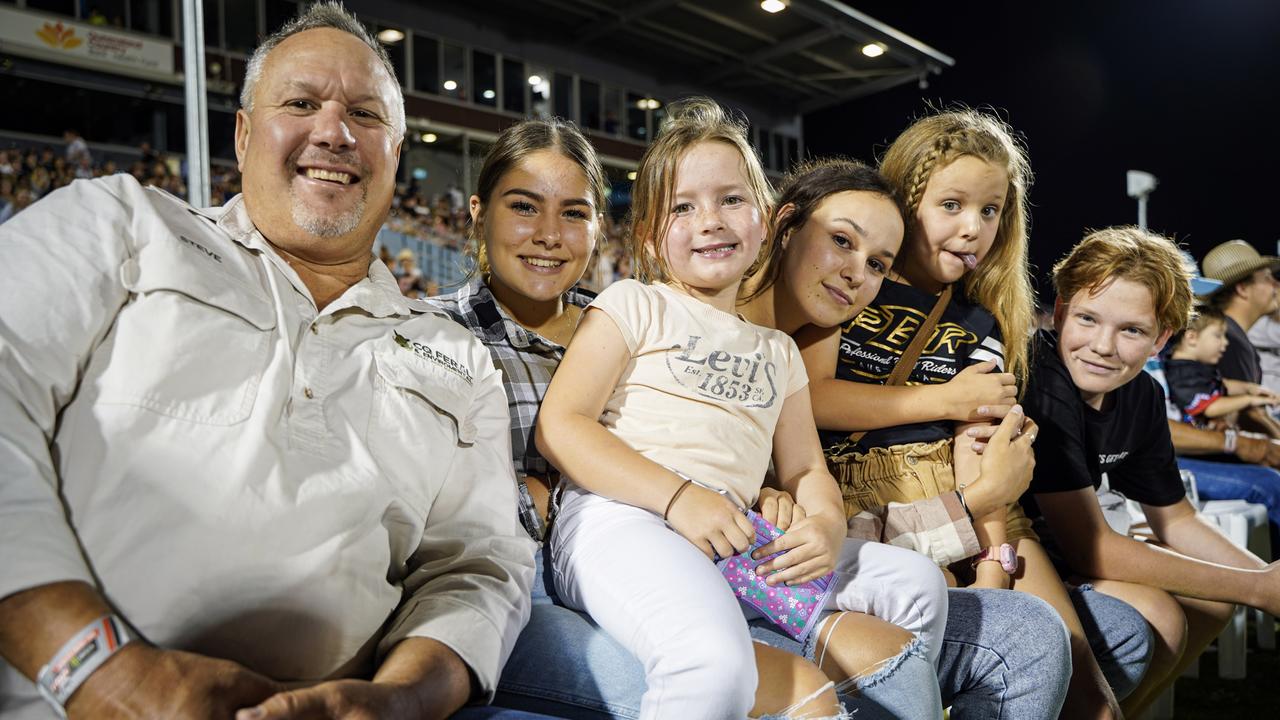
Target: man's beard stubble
column 328, row 225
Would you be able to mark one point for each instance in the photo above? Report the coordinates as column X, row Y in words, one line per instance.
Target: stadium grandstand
column 102, row 88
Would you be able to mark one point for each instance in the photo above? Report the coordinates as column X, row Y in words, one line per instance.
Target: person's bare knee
column 1206, row 619
column 790, row 685
column 853, row 644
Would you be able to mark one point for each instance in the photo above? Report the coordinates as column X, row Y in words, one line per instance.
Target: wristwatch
column 1003, row 554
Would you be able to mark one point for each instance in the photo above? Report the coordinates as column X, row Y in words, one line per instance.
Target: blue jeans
column 564, row 665
column 905, row 686
column 1119, row 636
column 1004, row 655
column 496, row 713
column 1239, row 481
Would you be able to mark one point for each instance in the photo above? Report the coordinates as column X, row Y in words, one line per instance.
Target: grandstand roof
column 807, row 56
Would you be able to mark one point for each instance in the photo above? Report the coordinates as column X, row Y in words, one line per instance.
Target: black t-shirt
column 1193, row 386
column 872, row 343
column 1240, row 361
column 1129, row 440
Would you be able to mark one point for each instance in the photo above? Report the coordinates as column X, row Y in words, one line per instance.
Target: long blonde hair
column 1002, row 283
column 689, row 122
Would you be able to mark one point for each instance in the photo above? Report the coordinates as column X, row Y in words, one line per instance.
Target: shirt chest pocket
column 419, row 403
column 193, row 343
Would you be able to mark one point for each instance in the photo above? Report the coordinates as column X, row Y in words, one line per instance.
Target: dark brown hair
column 803, row 190
column 515, row 144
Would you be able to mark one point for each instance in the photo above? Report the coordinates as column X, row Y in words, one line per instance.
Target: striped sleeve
column 991, row 348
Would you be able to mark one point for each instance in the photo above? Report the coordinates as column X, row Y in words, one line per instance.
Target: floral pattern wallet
column 794, row 608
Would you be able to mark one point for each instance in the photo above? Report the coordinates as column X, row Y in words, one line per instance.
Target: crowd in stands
column 29, row 173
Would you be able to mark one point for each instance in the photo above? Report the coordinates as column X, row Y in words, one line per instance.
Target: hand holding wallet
column 794, row 608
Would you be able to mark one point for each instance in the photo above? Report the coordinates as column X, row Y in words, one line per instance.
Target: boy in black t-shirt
column 1121, row 293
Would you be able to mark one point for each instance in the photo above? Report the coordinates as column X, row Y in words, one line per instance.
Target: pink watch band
column 1003, row 554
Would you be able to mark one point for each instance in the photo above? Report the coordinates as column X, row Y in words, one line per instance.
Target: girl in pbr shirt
column 664, row 385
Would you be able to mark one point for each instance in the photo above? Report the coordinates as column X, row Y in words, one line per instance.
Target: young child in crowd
column 1196, row 386
column 663, row 417
column 965, row 179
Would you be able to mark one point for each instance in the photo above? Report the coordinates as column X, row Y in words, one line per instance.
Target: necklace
column 558, row 330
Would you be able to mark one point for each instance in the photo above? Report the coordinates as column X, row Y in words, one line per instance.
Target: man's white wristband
column 1229, row 439
column 79, row 658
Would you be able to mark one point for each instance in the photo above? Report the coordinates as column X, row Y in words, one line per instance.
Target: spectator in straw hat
column 1248, row 292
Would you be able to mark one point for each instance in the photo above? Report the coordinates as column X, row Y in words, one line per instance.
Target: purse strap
column 907, row 362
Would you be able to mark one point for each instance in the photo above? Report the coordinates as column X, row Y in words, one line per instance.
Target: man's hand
column 809, row 550
column 421, row 679
column 1258, row 449
column 341, row 700
column 779, row 508
column 711, row 522
column 144, row 681
column 978, row 393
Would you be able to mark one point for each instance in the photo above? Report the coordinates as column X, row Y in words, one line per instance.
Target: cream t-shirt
column 703, row 389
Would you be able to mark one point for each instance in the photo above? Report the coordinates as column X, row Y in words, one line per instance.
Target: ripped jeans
column 658, row 596
column 1004, row 655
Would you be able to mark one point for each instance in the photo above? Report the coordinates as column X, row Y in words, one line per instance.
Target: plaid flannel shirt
column 527, row 361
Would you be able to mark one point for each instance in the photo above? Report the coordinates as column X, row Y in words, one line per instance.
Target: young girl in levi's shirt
column 664, row 383
column 964, row 178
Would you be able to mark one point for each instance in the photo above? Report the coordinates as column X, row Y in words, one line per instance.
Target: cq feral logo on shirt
column 748, row 380
column 435, row 356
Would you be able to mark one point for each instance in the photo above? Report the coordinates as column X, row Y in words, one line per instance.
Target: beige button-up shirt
column 240, row 474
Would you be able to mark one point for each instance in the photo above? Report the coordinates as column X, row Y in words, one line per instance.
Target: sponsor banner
column 49, row 37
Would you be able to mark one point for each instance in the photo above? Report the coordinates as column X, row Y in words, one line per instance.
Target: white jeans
column 658, row 596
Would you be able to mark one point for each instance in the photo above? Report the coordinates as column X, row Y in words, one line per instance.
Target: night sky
column 1186, row 90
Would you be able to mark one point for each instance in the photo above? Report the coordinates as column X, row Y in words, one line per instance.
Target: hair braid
column 1001, row 283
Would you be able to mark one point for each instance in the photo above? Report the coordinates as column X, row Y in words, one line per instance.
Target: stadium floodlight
column 873, row 50
column 1140, row 185
column 774, row 6
column 390, row 36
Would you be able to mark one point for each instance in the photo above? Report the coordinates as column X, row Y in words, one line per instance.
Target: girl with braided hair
column 963, row 276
